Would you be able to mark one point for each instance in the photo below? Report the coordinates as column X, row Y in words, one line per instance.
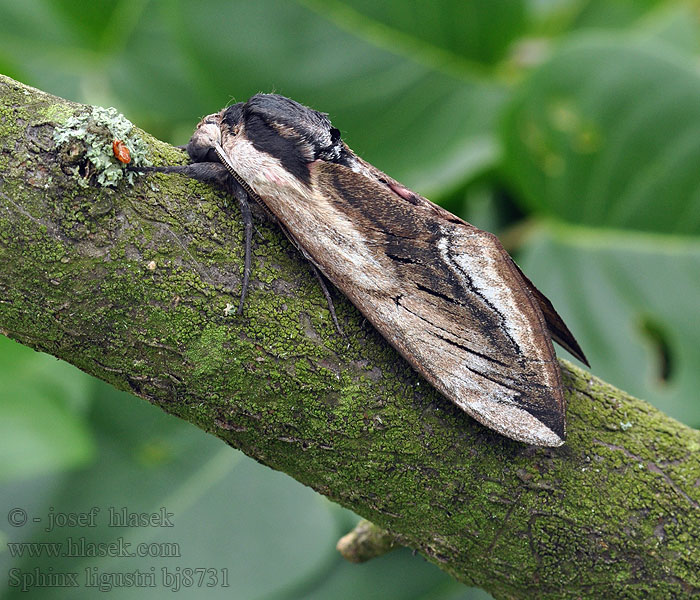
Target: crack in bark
column 653, row 467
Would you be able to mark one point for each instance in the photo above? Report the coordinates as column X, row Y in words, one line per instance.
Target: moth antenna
column 223, row 157
column 242, row 197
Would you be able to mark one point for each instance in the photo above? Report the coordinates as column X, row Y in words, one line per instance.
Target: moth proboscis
column 444, row 293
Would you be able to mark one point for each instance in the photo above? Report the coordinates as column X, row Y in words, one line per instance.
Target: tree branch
column 131, row 285
column 365, row 542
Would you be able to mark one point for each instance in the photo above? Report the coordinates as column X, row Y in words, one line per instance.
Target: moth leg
column 329, row 299
column 216, row 173
column 242, row 197
column 317, row 274
column 326, row 292
column 206, row 172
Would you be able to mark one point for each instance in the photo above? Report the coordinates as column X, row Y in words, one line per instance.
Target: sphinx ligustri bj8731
column 445, row 294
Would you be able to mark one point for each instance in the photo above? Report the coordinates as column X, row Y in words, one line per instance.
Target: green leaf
column 673, row 24
column 607, row 133
column 428, row 121
column 398, row 575
column 604, row 14
column 632, row 302
column 468, row 29
column 267, row 530
column 558, row 17
column 41, row 426
column 417, row 110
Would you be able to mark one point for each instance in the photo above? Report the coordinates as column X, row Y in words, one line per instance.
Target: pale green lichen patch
column 96, row 131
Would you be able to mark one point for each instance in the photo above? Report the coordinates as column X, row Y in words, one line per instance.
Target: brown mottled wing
column 555, row 324
column 448, row 297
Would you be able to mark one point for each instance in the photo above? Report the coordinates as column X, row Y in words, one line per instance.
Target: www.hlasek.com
column 80, row 547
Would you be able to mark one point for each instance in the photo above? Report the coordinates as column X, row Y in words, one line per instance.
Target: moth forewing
column 445, row 294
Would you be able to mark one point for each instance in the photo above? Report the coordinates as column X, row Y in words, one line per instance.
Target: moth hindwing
column 445, row 294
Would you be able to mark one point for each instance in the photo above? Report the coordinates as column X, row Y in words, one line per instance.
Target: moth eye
column 335, row 134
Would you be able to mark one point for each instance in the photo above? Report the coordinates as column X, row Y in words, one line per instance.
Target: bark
column 365, row 542
column 132, row 285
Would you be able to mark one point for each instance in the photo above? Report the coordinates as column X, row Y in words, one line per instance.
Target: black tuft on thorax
column 289, row 131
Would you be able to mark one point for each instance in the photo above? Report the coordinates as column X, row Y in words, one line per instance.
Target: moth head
column 291, row 132
column 206, row 136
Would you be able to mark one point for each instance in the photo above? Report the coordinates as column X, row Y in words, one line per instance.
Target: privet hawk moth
column 445, row 294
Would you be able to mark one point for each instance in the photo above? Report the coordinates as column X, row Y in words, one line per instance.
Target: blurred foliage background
column 571, row 128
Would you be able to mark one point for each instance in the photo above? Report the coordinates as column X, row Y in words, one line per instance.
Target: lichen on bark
column 131, row 285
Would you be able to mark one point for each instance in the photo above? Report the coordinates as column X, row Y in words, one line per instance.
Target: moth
column 445, row 294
